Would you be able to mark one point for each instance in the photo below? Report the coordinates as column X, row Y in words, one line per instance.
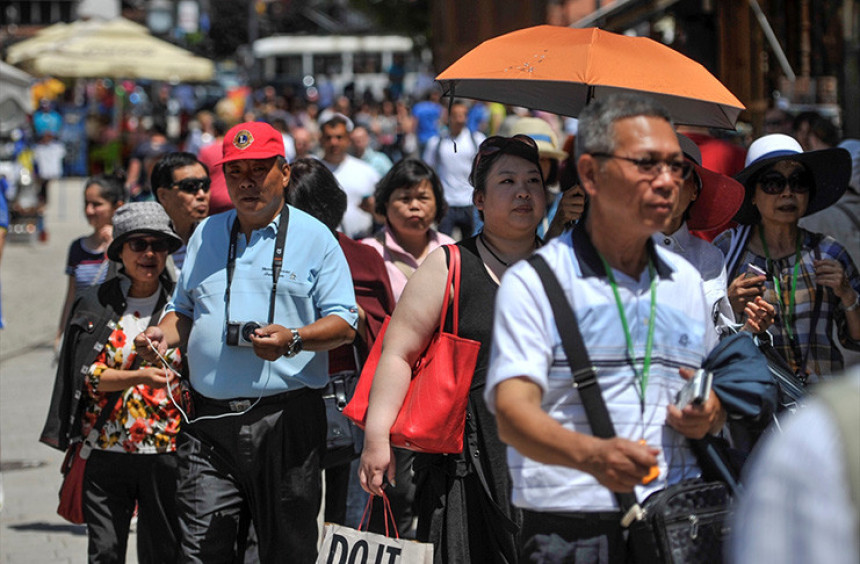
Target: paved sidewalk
column 33, row 287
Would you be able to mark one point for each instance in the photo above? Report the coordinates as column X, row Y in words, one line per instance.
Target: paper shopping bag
column 343, row 545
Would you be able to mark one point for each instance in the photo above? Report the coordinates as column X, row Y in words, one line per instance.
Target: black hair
column 334, row 121
column 314, row 189
column 483, row 162
column 111, row 187
column 825, row 130
column 407, row 173
column 162, row 171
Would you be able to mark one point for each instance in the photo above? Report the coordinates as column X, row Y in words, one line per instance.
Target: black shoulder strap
column 584, row 374
column 816, row 311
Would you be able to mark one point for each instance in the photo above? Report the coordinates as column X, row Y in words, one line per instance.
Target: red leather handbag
column 432, row 418
column 71, row 507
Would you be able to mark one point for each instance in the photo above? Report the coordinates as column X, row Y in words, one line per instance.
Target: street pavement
column 33, row 286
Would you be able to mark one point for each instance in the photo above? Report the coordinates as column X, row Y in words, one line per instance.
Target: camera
column 239, row 333
column 696, row 390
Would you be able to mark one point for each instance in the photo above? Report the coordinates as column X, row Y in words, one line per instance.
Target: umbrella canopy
column 107, row 49
column 561, row 69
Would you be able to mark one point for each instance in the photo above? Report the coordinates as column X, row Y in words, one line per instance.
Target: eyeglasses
column 192, row 185
column 679, row 169
column 140, row 245
column 774, row 183
column 496, row 143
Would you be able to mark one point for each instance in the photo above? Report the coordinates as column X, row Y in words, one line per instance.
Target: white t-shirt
column 526, row 343
column 358, row 179
column 49, row 159
column 452, row 167
column 709, row 261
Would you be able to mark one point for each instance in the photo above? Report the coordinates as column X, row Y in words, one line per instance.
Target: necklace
column 489, row 250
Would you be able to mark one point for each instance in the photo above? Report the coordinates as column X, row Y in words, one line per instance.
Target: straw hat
column 830, row 168
column 542, row 133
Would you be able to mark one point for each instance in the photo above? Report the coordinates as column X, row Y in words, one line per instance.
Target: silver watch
column 296, row 345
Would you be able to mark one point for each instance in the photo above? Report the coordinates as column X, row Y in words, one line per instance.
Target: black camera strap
column 277, row 259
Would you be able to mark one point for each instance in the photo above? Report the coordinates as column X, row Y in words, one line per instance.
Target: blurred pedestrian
column 87, row 263
column 453, row 168
column 564, row 476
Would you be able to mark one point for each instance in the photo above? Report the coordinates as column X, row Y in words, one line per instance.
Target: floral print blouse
column 143, row 420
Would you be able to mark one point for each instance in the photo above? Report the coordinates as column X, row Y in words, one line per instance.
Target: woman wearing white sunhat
column 810, row 280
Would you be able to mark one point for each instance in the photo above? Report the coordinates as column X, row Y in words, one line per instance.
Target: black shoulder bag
column 685, row 522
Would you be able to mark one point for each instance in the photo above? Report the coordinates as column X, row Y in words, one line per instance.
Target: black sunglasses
column 774, row 183
column 192, row 185
column 140, row 245
column 496, row 143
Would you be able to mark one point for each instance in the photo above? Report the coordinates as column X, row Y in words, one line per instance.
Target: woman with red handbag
column 119, row 404
column 462, row 499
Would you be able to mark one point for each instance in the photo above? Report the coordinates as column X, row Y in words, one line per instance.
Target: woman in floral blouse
column 132, row 462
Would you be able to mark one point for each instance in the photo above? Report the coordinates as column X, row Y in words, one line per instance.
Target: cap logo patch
column 243, row 139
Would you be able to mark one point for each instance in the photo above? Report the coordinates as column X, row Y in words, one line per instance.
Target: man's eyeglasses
column 192, row 185
column 140, row 245
column 774, row 183
column 679, row 169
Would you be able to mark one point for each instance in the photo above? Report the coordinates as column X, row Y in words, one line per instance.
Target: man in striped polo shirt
column 643, row 316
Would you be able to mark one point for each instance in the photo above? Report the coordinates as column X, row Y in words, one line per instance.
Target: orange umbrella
column 561, row 69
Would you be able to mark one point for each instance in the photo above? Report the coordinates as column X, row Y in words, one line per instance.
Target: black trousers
column 568, row 538
column 263, row 465
column 113, row 484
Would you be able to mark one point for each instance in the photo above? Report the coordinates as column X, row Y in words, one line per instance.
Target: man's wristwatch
column 296, row 345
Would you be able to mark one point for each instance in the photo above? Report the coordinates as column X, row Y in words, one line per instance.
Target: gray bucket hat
column 145, row 218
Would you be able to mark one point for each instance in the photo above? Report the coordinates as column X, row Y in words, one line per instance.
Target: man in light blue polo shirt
column 264, row 288
column 643, row 316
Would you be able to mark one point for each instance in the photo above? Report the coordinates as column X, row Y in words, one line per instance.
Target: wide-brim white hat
column 830, row 169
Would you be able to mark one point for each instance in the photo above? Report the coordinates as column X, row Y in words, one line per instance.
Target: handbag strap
column 453, row 276
column 583, row 372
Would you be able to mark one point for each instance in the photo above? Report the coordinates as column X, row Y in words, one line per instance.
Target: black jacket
column 91, row 321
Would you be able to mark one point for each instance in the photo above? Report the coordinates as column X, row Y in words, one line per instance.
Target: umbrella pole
column 589, row 94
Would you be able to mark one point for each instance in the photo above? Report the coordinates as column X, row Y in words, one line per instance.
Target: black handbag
column 683, row 523
column 343, row 438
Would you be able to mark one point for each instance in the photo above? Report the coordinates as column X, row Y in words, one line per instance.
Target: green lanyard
column 787, row 313
column 649, row 343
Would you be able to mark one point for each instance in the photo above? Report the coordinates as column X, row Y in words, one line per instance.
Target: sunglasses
column 192, row 185
column 679, row 169
column 140, row 245
column 496, row 143
column 774, row 183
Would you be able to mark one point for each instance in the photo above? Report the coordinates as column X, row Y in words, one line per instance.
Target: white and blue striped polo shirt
column 526, row 343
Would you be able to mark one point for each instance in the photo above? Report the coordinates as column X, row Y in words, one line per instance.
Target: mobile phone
column 753, row 270
column 696, row 391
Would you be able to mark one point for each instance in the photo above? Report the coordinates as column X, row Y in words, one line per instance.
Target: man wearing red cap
column 263, row 289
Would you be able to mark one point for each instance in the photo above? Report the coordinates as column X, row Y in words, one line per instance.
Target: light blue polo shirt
column 315, row 282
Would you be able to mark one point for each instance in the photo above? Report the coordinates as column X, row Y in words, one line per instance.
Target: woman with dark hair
column 463, row 500
column 87, row 263
column 410, row 197
column 314, row 190
column 809, row 278
column 119, row 405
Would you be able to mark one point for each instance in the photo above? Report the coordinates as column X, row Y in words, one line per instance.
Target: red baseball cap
column 251, row 140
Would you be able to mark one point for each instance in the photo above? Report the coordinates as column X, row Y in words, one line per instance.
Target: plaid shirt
column 822, row 355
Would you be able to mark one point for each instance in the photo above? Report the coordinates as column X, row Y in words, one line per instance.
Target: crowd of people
column 226, row 286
